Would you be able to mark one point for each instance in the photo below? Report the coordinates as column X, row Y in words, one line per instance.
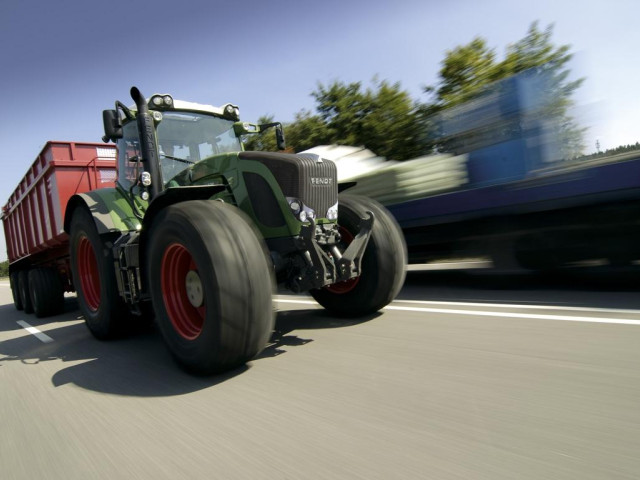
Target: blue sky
column 63, row 62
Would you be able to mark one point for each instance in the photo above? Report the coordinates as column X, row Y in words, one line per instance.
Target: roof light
column 232, row 111
column 161, row 101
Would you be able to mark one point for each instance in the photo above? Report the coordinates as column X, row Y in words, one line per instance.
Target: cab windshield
column 185, row 138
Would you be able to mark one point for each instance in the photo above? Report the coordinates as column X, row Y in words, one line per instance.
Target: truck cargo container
column 33, row 218
column 588, row 211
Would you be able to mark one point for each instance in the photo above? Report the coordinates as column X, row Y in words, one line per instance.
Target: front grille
column 302, row 176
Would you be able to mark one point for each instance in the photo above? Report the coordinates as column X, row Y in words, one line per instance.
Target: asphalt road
column 468, row 375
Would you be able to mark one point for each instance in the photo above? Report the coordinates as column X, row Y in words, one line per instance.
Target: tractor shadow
column 137, row 365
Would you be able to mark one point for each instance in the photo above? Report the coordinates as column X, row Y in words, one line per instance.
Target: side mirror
column 280, row 137
column 112, row 125
column 279, row 133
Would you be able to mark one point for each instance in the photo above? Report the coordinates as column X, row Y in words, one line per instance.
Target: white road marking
column 484, row 313
column 522, row 306
column 290, row 300
column 34, row 331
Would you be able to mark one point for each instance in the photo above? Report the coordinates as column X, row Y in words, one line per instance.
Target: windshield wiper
column 183, row 160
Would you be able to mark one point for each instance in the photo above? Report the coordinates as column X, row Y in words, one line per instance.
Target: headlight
column 332, row 213
column 300, row 210
column 145, row 179
column 295, row 205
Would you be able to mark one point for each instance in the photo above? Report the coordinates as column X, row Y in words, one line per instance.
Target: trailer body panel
column 33, row 217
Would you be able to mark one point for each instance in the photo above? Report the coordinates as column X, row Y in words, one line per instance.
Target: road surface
column 467, row 376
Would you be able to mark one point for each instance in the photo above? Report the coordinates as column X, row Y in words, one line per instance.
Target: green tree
column 4, row 268
column 381, row 118
column 306, row 131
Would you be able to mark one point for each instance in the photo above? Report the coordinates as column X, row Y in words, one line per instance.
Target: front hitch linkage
column 325, row 270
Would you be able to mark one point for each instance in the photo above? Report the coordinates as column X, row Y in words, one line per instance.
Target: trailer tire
column 15, row 290
column 94, row 278
column 46, row 292
column 383, row 263
column 23, row 287
column 211, row 284
column 538, row 253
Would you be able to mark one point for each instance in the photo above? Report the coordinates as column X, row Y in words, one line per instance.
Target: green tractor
column 198, row 232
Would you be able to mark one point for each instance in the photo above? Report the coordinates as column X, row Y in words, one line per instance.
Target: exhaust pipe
column 147, row 134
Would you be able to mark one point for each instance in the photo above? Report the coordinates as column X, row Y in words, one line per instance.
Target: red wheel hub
column 348, row 285
column 182, row 291
column 89, row 273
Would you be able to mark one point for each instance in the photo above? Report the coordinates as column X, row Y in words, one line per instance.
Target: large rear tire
column 383, row 264
column 46, row 292
column 93, row 273
column 211, row 285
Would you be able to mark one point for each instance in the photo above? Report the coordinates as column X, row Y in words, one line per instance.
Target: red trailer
column 33, row 218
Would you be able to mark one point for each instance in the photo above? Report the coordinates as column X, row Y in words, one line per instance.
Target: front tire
column 211, row 285
column 383, row 263
column 94, row 278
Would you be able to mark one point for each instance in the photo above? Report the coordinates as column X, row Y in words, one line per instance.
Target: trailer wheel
column 46, row 292
column 383, row 263
column 211, row 285
column 93, row 273
column 15, row 290
column 537, row 252
column 23, row 287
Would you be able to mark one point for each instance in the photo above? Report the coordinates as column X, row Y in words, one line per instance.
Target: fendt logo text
column 320, row 181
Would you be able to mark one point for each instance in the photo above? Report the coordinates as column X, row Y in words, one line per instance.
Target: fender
column 109, row 207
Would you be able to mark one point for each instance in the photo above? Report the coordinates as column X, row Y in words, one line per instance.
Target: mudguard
column 109, row 208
